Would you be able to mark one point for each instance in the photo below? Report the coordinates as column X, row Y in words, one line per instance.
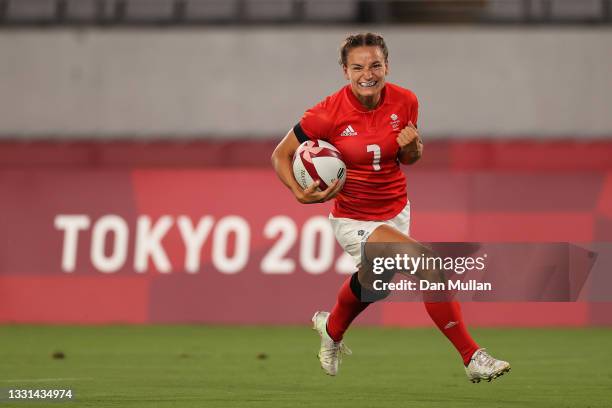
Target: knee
column 366, row 293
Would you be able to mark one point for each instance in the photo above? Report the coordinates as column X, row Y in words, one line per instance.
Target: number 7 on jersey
column 376, row 160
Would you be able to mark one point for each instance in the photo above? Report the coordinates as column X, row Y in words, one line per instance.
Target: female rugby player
column 373, row 124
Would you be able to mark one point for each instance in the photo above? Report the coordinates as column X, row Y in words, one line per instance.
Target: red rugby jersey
column 375, row 187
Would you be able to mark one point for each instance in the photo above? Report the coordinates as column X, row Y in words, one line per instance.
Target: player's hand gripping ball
column 318, row 160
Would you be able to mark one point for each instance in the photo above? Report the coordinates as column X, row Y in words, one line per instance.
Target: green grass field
column 202, row 366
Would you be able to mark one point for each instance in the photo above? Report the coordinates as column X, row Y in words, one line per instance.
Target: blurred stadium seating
column 181, row 12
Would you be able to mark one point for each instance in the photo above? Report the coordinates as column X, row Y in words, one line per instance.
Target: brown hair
column 362, row 40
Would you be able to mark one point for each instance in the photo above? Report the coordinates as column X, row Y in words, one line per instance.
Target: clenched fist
column 410, row 145
column 407, row 135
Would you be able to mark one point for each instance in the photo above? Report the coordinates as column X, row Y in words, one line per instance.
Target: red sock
column 347, row 308
column 447, row 316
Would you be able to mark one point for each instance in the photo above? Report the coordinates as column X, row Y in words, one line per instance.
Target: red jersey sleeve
column 315, row 124
column 413, row 115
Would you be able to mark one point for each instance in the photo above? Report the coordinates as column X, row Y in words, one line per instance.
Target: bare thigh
column 398, row 243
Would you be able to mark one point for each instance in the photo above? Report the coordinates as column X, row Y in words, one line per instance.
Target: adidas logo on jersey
column 349, row 131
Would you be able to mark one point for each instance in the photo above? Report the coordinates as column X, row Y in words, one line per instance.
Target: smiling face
column 366, row 70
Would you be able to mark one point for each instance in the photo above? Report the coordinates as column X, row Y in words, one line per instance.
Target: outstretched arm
column 282, row 162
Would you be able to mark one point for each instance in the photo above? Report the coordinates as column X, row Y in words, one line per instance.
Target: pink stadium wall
column 510, row 191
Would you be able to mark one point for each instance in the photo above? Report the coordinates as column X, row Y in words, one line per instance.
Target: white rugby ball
column 318, row 160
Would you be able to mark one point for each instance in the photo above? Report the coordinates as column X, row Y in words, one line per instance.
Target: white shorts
column 352, row 233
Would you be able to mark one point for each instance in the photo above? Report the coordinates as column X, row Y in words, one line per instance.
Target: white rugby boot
column 330, row 353
column 484, row 367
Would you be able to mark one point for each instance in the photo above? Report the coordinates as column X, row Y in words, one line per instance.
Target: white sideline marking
column 48, row 379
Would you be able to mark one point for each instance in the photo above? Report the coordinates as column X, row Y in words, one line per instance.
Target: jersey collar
column 357, row 105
